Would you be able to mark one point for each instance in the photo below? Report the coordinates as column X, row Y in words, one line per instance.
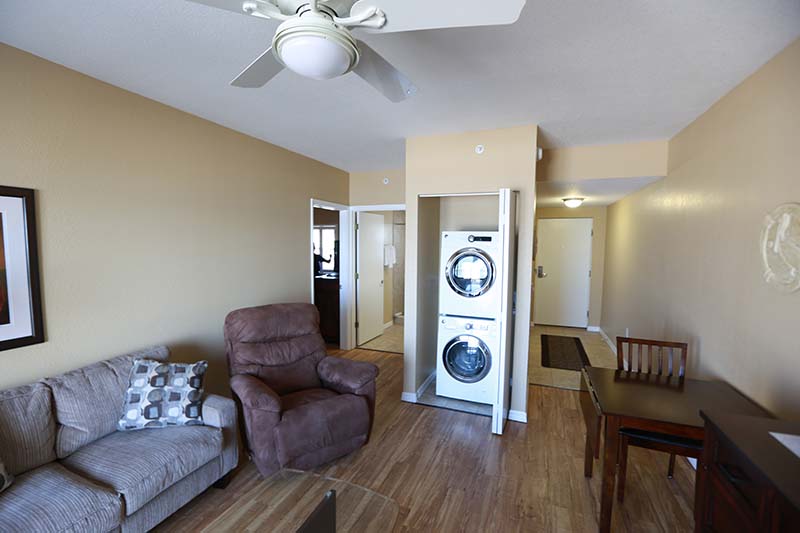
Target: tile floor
column 596, row 348
column 429, row 397
column 390, row 341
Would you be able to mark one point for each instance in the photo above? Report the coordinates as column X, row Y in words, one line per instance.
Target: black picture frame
column 34, row 282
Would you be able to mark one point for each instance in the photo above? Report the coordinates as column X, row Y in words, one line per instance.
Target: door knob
column 540, row 273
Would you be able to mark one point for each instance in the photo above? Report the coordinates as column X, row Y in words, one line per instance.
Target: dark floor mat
column 563, row 352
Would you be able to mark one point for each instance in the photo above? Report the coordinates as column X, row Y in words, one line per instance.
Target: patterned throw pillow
column 163, row 394
column 5, row 478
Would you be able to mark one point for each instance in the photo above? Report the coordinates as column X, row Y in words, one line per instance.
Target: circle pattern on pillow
column 163, row 394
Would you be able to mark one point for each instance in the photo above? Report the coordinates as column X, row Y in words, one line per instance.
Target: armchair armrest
column 255, row 394
column 220, row 412
column 345, row 375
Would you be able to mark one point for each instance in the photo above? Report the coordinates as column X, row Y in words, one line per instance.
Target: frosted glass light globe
column 315, row 56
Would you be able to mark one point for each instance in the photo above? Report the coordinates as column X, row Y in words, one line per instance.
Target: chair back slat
column 631, row 353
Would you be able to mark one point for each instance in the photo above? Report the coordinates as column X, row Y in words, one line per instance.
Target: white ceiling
column 587, row 72
column 595, row 192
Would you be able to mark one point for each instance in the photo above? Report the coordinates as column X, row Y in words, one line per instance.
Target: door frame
column 347, row 262
column 354, row 294
column 591, row 260
column 346, row 307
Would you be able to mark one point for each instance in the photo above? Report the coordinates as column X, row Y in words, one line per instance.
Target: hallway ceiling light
column 572, row 203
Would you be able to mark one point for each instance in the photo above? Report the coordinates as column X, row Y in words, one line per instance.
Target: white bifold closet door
column 508, row 234
column 369, row 277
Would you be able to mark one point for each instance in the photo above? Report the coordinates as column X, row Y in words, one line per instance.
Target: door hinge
column 592, row 233
column 590, row 272
column 356, row 226
column 356, row 324
column 587, row 313
column 356, row 275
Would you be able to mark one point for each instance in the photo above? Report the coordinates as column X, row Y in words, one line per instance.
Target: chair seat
column 661, row 438
column 303, row 397
column 27, row 505
column 320, row 431
column 141, row 464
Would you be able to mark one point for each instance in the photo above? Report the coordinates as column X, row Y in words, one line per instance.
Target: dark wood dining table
column 668, row 405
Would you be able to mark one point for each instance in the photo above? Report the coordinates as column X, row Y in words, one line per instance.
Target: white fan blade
column 259, row 72
column 379, row 73
column 405, row 15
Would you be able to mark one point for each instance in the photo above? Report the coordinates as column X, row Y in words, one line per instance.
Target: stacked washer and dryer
column 470, row 300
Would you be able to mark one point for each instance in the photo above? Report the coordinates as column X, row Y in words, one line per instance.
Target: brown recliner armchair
column 301, row 407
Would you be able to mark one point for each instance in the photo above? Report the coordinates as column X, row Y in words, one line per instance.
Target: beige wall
column 388, row 273
column 683, row 257
column 598, row 216
column 449, row 164
column 153, row 224
column 629, row 160
column 367, row 188
column 469, row 213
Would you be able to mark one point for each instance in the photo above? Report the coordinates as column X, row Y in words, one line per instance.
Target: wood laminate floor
column 449, row 474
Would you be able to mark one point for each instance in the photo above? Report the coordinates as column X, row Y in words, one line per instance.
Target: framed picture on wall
column 21, row 322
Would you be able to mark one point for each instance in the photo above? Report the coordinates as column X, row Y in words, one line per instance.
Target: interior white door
column 563, row 270
column 369, row 275
column 508, row 234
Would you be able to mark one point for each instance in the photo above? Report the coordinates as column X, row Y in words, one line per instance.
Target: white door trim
column 381, row 207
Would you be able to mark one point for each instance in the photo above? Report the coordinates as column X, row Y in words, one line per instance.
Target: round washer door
column 467, row 358
column 470, row 272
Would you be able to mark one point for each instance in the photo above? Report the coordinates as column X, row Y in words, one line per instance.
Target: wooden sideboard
column 747, row 481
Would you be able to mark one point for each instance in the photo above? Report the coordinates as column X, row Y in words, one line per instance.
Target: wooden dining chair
column 662, row 359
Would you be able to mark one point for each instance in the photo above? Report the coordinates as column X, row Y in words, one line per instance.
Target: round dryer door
column 467, row 358
column 470, row 272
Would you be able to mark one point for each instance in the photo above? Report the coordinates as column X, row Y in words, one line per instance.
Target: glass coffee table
column 284, row 501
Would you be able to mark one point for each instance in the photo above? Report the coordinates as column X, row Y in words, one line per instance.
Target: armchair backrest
column 280, row 344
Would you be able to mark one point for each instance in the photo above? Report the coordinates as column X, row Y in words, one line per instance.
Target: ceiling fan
column 314, row 38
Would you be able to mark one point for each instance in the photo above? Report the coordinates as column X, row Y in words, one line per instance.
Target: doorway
column 380, row 280
column 330, row 263
column 563, row 272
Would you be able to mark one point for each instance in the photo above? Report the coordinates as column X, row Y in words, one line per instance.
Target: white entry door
column 369, row 277
column 563, row 270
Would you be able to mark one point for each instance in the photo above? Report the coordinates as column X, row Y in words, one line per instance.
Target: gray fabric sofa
column 74, row 472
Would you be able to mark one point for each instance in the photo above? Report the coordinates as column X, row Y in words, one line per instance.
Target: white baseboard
column 593, row 329
column 388, row 324
column 608, row 341
column 518, row 416
column 426, row 383
column 410, row 397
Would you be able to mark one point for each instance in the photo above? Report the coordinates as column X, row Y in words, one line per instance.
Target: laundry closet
column 466, row 278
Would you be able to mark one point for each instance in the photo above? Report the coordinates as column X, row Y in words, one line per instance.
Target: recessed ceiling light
column 573, row 202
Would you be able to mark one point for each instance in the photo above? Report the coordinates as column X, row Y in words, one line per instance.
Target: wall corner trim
column 410, row 397
column 518, row 416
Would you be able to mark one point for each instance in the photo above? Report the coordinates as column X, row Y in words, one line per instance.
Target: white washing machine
column 467, row 364
column 471, row 263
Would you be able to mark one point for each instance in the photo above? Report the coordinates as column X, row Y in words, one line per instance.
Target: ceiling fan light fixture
column 572, row 203
column 315, row 47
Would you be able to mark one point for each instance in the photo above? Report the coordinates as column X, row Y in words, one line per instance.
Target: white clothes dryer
column 471, row 265
column 467, row 362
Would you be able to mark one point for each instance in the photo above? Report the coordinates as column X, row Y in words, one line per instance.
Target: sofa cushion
column 163, row 394
column 296, row 399
column 51, row 498
column 320, row 424
column 141, row 464
column 27, row 428
column 89, row 400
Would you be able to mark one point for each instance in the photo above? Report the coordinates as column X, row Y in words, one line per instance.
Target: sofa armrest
column 255, row 394
column 346, row 376
column 220, row 412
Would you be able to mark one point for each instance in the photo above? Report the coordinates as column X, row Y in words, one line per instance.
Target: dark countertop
column 751, row 435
